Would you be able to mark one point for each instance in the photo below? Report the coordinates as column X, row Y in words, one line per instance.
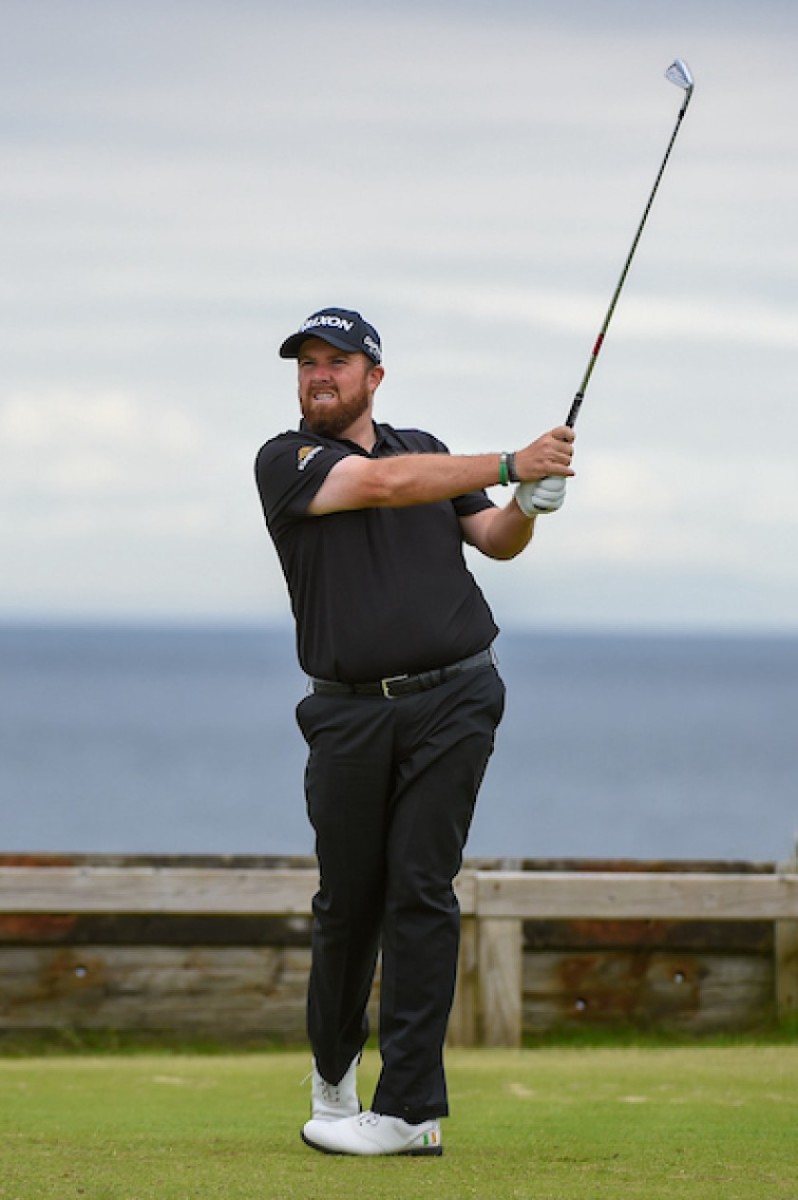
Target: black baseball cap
column 340, row 327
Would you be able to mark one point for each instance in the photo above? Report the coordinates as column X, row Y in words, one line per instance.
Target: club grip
column 570, row 420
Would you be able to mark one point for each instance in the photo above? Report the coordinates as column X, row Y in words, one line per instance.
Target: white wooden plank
column 156, row 889
column 542, row 895
column 192, row 890
column 636, row 896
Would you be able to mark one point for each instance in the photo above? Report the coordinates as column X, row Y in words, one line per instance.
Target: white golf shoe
column 370, row 1133
column 335, row 1101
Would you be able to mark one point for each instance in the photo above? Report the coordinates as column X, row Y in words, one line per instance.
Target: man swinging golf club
column 369, row 524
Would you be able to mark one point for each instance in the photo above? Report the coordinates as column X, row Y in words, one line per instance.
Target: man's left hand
column 545, row 496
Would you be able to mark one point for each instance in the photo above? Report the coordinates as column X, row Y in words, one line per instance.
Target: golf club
column 679, row 73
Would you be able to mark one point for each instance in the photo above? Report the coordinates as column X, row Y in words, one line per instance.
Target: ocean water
column 183, row 740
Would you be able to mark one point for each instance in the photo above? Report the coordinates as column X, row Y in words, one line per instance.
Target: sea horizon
column 179, row 737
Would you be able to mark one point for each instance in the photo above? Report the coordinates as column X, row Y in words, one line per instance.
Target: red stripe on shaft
column 597, row 346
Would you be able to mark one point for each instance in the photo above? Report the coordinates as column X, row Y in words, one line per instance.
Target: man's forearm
column 407, row 479
column 427, row 478
column 499, row 533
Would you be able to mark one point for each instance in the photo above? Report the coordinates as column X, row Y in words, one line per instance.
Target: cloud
column 471, row 175
column 103, row 469
column 649, row 318
column 111, row 503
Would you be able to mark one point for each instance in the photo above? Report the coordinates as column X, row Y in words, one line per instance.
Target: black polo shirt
column 378, row 591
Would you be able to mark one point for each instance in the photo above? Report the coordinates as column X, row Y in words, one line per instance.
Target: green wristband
column 504, row 470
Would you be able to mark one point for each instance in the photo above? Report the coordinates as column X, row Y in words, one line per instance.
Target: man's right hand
column 549, row 454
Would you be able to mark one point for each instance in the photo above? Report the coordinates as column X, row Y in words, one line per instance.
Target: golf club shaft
column 580, row 395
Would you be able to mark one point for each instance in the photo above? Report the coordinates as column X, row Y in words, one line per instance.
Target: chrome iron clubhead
column 679, row 73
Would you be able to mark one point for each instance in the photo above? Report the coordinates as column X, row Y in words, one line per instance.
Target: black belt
column 404, row 685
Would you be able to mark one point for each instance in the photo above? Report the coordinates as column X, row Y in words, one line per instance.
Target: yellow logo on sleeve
column 305, row 454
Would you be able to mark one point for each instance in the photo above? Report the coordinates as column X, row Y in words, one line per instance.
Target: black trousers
column 391, row 787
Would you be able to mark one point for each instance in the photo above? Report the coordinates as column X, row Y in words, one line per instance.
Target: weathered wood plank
column 243, row 992
column 153, row 929
column 549, row 895
column 727, row 937
column 155, row 889
column 637, row 895
column 691, row 993
column 465, row 887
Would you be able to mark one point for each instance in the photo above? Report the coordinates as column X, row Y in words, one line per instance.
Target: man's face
column 335, row 387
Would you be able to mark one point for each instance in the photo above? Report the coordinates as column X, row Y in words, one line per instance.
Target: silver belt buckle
column 386, row 683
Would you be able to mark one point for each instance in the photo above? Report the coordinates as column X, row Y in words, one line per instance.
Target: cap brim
column 290, row 347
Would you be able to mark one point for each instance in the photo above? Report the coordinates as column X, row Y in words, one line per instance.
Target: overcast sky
column 184, row 181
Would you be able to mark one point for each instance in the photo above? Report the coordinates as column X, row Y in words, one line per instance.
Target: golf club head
column 679, row 73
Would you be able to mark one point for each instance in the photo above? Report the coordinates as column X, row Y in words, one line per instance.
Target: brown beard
column 332, row 422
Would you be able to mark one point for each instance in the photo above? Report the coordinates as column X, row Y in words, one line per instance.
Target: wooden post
column 463, row 1022
column 500, row 956
column 463, row 1029
column 785, row 958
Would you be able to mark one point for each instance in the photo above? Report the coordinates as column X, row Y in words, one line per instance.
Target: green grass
column 564, row 1122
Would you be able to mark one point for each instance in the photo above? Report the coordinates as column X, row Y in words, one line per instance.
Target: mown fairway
column 565, row 1123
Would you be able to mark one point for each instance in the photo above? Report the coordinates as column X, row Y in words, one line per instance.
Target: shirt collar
column 385, row 439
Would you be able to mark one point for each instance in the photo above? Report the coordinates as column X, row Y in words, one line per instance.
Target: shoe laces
column 331, row 1092
column 368, row 1118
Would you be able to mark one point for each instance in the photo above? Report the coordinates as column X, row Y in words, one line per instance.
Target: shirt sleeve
column 472, row 502
column 290, row 469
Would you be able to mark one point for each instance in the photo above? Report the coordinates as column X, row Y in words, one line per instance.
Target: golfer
column 403, row 703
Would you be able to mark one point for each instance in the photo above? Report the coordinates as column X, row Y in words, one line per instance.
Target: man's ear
column 376, row 376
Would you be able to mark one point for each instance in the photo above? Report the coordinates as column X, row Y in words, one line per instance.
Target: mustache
column 332, row 421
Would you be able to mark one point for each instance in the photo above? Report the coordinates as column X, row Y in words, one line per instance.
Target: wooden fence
column 64, row 962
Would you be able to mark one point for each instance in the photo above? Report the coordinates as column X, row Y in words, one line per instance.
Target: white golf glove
column 543, row 496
